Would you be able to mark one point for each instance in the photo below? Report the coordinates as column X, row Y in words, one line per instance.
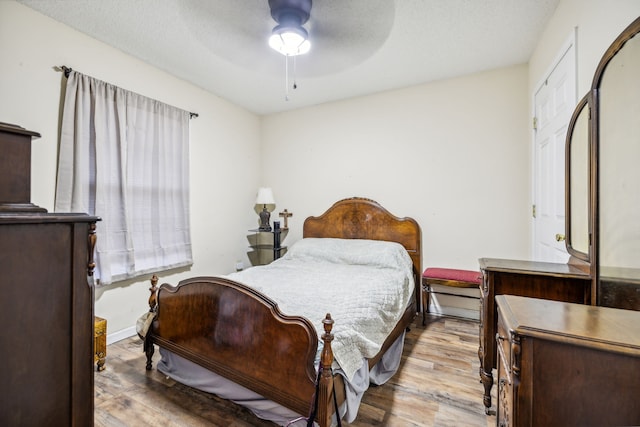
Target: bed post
column 326, row 387
column 152, row 297
column 148, row 342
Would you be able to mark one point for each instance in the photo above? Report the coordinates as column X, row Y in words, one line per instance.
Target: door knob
column 560, row 237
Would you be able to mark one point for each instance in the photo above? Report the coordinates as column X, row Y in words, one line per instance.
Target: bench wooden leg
column 426, row 300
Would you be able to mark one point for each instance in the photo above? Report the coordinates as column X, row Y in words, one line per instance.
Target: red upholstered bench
column 446, row 277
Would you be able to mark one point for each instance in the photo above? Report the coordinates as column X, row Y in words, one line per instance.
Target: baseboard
column 121, row 335
column 454, row 311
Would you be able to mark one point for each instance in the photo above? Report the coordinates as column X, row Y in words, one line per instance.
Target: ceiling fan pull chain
column 295, row 68
column 286, row 77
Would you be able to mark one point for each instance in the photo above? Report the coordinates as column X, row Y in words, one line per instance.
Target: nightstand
column 99, row 342
column 266, row 246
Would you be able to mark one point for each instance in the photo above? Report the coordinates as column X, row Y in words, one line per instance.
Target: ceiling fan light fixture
column 290, row 41
column 289, row 37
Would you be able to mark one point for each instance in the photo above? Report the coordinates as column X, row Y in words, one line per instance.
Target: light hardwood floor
column 437, row 385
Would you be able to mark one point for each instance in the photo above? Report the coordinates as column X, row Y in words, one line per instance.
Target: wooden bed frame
column 241, row 334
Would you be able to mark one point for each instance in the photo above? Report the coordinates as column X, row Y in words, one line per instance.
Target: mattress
column 365, row 285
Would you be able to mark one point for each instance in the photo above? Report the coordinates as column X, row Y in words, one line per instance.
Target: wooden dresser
column 563, row 364
column 46, row 302
column 560, row 282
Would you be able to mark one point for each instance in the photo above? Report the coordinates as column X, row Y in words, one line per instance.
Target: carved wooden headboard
column 360, row 218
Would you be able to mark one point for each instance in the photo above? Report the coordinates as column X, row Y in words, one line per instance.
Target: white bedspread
column 364, row 284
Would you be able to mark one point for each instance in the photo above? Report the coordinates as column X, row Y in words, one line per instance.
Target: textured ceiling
column 358, row 47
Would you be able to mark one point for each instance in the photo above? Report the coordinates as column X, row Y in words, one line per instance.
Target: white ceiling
column 358, row 47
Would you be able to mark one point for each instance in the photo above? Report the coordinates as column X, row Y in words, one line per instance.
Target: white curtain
column 125, row 158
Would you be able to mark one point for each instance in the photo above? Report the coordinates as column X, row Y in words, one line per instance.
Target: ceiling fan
column 337, row 34
column 289, row 37
column 341, row 34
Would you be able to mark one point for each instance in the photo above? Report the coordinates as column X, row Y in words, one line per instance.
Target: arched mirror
column 578, row 178
column 617, row 133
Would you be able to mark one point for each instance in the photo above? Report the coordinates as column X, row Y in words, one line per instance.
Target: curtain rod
column 68, row 70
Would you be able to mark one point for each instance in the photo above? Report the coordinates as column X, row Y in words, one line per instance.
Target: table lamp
column 264, row 198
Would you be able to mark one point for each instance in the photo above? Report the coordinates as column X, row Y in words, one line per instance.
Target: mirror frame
column 627, row 34
column 585, row 103
column 591, row 101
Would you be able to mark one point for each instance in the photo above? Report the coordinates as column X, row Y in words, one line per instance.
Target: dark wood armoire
column 46, row 300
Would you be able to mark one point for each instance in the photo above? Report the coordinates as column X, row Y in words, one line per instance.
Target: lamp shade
column 265, row 196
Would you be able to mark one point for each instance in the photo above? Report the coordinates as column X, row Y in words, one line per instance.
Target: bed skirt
column 194, row 375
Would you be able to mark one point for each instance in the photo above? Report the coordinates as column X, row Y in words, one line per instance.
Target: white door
column 554, row 102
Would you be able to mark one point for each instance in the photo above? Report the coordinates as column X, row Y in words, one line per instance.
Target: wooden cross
column 286, row 214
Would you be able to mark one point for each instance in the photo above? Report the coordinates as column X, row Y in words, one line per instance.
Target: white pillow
column 377, row 253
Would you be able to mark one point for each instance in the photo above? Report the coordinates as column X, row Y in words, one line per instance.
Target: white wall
column 225, row 142
column 452, row 154
column 598, row 23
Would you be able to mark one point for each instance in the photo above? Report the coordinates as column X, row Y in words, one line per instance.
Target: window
column 125, row 158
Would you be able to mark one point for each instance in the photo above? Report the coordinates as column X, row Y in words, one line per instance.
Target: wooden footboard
column 240, row 334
